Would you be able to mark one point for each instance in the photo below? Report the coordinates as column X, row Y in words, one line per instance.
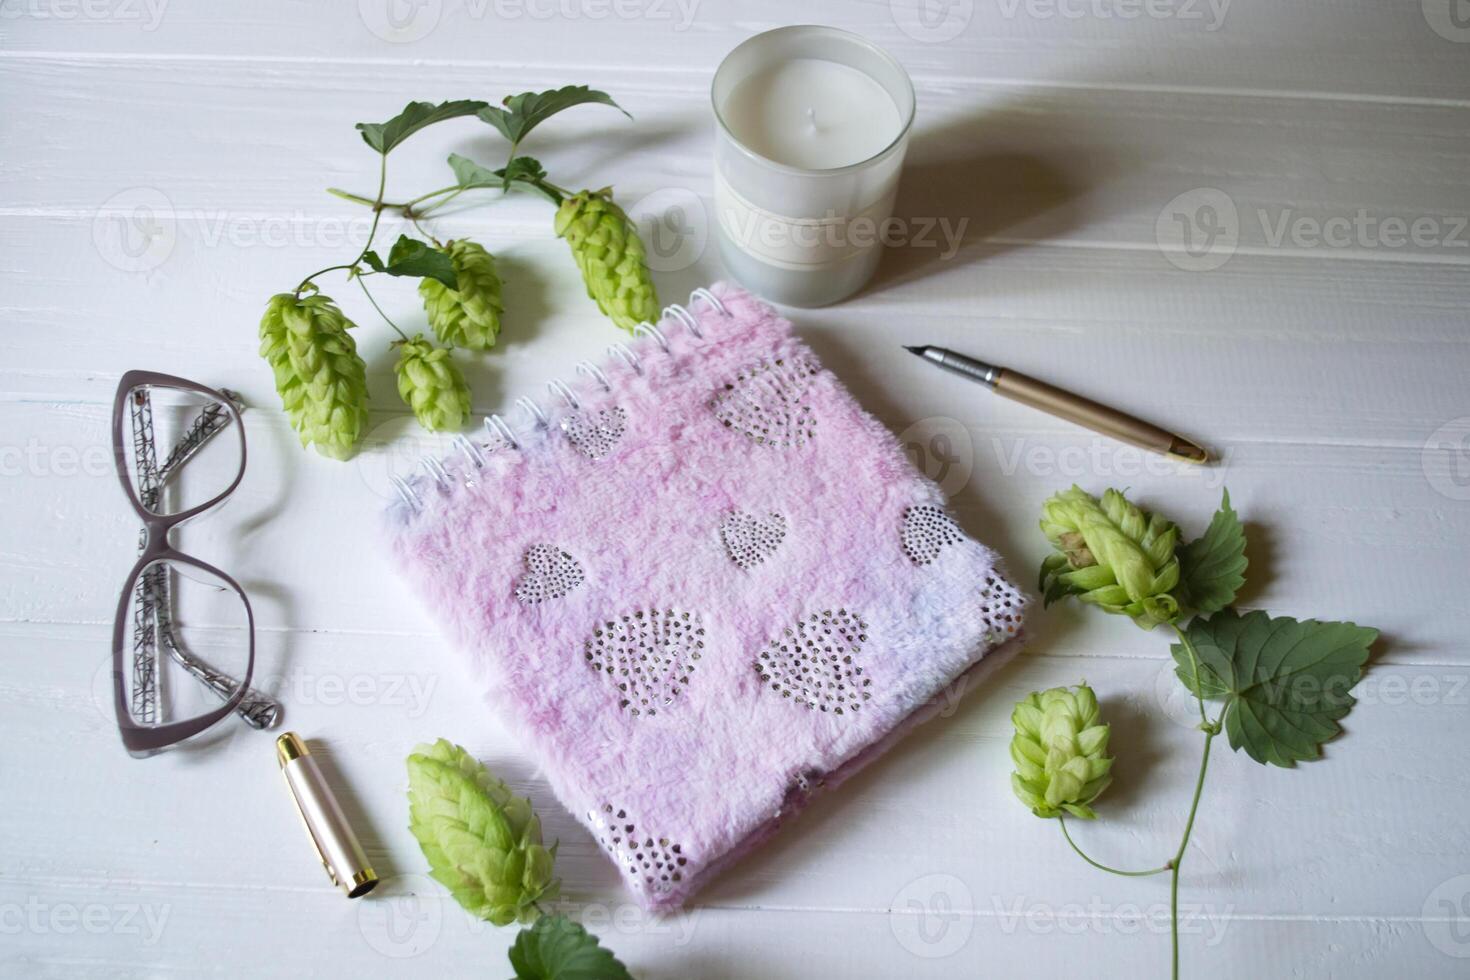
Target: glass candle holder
column 811, row 128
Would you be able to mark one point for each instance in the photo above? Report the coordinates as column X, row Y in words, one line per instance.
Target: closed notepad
column 704, row 587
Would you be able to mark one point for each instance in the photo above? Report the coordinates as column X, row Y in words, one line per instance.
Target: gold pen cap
column 336, row 845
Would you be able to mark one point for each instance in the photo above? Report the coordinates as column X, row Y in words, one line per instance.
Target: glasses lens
column 188, row 644
column 182, row 448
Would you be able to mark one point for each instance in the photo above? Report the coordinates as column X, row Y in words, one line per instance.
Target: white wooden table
column 1247, row 218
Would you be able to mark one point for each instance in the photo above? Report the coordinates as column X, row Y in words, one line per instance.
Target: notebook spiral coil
column 474, row 455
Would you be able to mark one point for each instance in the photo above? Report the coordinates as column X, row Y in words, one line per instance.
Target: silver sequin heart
column 653, row 865
column 550, row 574
column 648, row 655
column 594, row 434
column 766, row 403
column 813, row 662
column 926, row 530
column 750, row 540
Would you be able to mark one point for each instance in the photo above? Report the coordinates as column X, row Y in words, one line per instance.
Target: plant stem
column 1103, row 867
column 380, row 309
column 1197, row 690
column 1199, row 785
column 373, row 230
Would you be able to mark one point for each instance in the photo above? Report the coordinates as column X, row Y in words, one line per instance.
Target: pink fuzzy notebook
column 704, row 587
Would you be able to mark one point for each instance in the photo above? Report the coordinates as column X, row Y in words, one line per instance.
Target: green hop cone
column 610, row 254
column 1060, row 752
column 470, row 315
column 483, row 843
column 1111, row 554
column 430, row 383
column 319, row 376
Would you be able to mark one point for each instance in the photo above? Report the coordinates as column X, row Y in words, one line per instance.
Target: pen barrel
column 336, row 844
column 1083, row 411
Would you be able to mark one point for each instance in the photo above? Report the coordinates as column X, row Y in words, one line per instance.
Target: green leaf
column 414, row 117
column 411, row 257
column 556, row 948
column 1284, row 682
column 1212, row 567
column 527, row 170
column 524, row 112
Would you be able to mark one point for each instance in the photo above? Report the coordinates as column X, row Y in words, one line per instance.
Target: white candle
column 812, row 114
column 813, row 125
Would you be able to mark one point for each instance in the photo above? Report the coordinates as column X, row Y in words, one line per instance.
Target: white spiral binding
column 595, row 373
column 647, row 329
column 475, row 455
column 560, row 388
column 503, row 429
column 625, row 354
column 538, row 417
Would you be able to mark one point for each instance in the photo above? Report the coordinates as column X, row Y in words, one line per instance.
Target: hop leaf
column 610, row 254
column 468, row 316
column 319, row 376
column 556, row 948
column 1060, row 752
column 431, row 384
column 1111, row 554
column 483, row 843
column 1284, row 682
column 1212, row 567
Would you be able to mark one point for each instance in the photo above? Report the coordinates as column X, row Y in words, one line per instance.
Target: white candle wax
column 812, row 114
column 812, row 127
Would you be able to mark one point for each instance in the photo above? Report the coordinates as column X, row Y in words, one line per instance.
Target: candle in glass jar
column 813, row 125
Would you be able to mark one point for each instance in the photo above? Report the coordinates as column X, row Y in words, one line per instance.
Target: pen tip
column 914, row 350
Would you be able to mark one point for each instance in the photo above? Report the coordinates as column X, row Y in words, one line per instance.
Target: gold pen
column 332, row 836
column 1065, row 405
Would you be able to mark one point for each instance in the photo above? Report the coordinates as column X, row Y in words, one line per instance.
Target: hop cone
column 321, row 380
column 1060, row 751
column 610, row 254
column 431, row 385
column 470, row 315
column 482, row 842
column 1111, row 554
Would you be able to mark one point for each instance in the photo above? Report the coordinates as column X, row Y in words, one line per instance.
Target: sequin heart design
column 814, row 663
column 550, row 574
column 766, row 403
column 652, row 865
column 926, row 530
column 647, row 655
column 750, row 540
column 594, row 434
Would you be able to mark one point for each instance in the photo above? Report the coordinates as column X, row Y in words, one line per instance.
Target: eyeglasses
column 183, row 640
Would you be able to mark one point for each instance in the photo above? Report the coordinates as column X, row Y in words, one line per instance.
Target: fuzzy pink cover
column 703, row 594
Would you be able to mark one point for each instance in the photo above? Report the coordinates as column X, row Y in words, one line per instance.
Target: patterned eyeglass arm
column 154, row 610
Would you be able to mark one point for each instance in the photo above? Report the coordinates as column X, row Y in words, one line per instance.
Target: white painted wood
column 1322, row 371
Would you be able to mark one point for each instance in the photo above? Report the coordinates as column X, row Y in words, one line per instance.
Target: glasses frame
column 156, row 547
